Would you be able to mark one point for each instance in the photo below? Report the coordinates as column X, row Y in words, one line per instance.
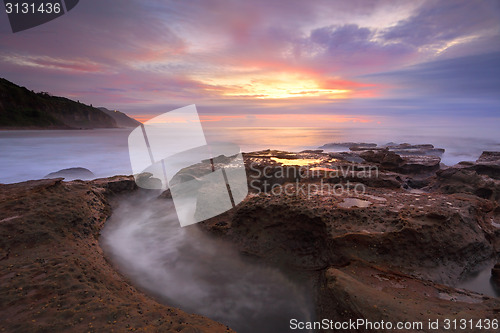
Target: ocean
column 32, row 154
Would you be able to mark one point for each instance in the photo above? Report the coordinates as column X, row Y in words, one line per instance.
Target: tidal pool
column 191, row 270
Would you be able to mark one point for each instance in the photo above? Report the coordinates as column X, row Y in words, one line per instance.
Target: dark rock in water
column 418, row 183
column 408, row 146
column 314, row 151
column 481, row 179
column 116, row 184
column 417, row 164
column 349, row 145
column 387, row 159
column 167, row 194
column 347, row 156
column 361, row 148
column 420, row 149
column 411, row 164
column 72, row 174
column 146, row 180
column 489, row 156
column 495, row 274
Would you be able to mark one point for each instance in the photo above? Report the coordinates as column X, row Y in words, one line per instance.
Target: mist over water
column 189, row 269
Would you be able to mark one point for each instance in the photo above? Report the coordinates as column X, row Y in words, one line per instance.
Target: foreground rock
column 380, row 295
column 380, row 251
column 53, row 274
column 411, row 164
column 481, row 178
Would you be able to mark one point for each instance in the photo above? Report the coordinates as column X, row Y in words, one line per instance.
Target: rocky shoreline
column 54, row 274
column 384, row 235
column 390, row 252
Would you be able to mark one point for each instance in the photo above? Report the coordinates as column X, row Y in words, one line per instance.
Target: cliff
column 122, row 120
column 23, row 108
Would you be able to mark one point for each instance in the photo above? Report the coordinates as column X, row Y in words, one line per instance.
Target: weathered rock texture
column 54, row 276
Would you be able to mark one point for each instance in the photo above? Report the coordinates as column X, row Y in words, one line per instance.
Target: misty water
column 481, row 281
column 186, row 268
column 32, row 154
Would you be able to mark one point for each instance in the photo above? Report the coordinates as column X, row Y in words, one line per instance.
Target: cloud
column 350, row 49
column 238, row 55
column 444, row 21
column 470, row 77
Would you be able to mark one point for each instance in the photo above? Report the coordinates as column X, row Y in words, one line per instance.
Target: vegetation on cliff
column 23, row 108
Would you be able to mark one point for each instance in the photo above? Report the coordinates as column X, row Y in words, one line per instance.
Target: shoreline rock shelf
column 54, row 275
column 401, row 243
column 416, row 234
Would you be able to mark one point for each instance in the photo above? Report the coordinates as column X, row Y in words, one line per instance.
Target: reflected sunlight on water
column 296, row 161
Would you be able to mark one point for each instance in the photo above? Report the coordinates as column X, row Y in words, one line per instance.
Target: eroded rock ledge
column 388, row 253
column 53, row 274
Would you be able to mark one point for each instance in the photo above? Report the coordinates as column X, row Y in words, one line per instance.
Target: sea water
column 32, row 154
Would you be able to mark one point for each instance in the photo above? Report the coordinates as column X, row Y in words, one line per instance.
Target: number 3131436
column 32, row 8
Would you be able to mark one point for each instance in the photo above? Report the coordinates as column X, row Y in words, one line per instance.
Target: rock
column 387, row 159
column 116, row 184
column 481, row 179
column 147, row 181
column 338, row 145
column 362, row 148
column 52, row 263
column 495, row 273
column 314, row 151
column 72, row 174
column 165, row 194
column 410, row 164
column 366, row 250
column 420, row 149
column 311, row 231
column 418, row 164
column 347, row 156
column 489, row 156
column 418, row 183
column 379, row 295
column 392, row 145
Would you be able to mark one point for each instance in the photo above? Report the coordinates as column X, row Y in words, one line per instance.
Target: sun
column 277, row 86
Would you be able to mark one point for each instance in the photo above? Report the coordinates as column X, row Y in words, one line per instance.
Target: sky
column 265, row 62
